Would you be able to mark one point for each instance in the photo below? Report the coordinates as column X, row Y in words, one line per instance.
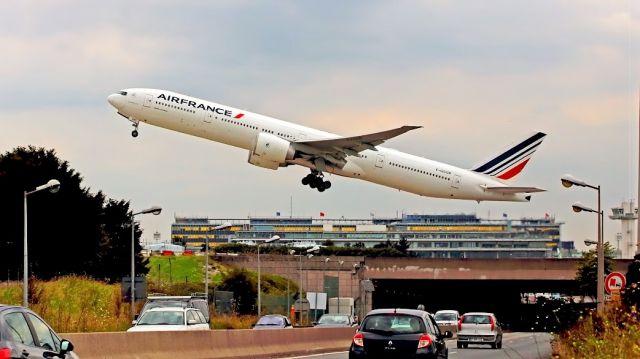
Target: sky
column 476, row 76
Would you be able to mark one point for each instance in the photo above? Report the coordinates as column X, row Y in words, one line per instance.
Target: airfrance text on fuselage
column 193, row 104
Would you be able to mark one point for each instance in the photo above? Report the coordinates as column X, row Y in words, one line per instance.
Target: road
column 514, row 346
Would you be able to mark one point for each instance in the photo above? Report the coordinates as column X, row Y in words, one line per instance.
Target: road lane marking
column 315, row 355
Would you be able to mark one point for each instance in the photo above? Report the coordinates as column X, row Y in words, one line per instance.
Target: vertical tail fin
column 508, row 163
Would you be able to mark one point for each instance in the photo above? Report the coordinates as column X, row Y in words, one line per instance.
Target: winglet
column 509, row 163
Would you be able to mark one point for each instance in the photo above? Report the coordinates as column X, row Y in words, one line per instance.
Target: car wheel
column 500, row 344
column 465, row 345
column 494, row 345
column 459, row 345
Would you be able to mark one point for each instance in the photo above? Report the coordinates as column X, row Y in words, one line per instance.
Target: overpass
column 495, row 285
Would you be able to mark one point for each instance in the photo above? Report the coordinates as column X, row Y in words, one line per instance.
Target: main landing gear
column 315, row 180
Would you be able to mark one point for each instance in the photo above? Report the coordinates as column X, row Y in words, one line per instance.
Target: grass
column 176, row 269
column 615, row 335
column 233, row 321
column 74, row 304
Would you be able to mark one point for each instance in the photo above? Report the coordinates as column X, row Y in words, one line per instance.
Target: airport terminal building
column 430, row 236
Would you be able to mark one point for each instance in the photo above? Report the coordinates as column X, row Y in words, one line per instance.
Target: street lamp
column 339, row 269
column 590, row 243
column 266, row 241
column 293, row 252
column 568, row 181
column 53, row 186
column 155, row 210
column 225, row 225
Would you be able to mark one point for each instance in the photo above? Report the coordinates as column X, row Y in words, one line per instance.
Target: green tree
column 631, row 294
column 73, row 231
column 244, row 290
column 402, row 246
column 587, row 273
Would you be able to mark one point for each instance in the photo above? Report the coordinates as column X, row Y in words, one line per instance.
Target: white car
column 479, row 328
column 447, row 317
column 169, row 319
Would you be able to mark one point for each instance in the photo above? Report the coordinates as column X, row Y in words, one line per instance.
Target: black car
column 23, row 334
column 399, row 333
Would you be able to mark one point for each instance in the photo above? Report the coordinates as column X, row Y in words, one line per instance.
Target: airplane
column 274, row 143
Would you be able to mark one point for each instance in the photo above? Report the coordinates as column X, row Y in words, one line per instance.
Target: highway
column 514, row 345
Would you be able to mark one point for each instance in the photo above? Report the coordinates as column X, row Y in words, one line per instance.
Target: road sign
column 615, row 280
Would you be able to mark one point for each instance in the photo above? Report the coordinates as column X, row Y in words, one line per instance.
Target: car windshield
column 161, row 318
column 445, row 316
column 270, row 321
column 334, row 319
column 393, row 324
column 476, row 319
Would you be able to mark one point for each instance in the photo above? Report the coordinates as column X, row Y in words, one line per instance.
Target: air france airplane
column 274, row 143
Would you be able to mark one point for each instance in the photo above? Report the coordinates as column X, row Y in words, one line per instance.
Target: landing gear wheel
column 305, row 181
column 313, row 183
column 327, row 185
column 134, row 133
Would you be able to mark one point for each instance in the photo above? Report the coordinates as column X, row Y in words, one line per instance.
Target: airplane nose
column 112, row 100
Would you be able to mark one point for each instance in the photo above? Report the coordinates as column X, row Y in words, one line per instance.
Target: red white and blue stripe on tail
column 509, row 163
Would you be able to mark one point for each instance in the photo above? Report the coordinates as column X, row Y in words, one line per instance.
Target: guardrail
column 213, row 344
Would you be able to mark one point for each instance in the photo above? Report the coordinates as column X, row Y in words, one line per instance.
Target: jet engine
column 270, row 151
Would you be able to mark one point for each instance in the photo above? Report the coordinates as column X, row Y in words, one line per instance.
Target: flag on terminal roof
column 546, row 216
column 321, row 214
column 277, row 214
column 504, row 215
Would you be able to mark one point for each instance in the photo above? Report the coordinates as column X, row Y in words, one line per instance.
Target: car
column 479, row 328
column 273, row 321
column 399, row 333
column 335, row 320
column 24, row 334
column 169, row 319
column 447, row 317
column 195, row 300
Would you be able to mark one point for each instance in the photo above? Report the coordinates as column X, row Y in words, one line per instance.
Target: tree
column 587, row 273
column 73, row 231
column 402, row 245
column 631, row 295
column 244, row 290
column 328, row 243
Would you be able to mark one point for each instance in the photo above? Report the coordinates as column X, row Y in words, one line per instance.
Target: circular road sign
column 615, row 280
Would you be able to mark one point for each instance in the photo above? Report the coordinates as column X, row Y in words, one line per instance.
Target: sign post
column 613, row 284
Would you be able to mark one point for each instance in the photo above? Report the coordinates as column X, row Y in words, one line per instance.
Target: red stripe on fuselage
column 513, row 171
column 239, row 115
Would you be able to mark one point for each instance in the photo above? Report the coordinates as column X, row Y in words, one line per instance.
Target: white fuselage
column 385, row 166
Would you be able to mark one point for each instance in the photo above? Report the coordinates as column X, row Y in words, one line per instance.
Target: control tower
column 627, row 213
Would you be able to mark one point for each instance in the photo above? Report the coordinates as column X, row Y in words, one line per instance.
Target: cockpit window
column 123, row 93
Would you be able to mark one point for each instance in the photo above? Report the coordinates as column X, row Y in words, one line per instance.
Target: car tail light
column 5, row 353
column 493, row 323
column 358, row 339
column 425, row 341
column 460, row 323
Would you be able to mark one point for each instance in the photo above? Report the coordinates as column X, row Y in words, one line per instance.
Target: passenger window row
column 419, row 171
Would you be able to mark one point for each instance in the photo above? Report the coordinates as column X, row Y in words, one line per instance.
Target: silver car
column 479, row 328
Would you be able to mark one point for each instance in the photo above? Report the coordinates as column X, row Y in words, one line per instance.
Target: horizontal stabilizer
column 507, row 189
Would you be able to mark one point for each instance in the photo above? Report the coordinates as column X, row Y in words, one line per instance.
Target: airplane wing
column 507, row 189
column 336, row 150
column 359, row 143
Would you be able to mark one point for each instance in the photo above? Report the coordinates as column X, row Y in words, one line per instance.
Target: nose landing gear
column 135, row 124
column 315, row 180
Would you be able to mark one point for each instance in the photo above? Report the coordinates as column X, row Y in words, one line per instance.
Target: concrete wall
column 215, row 344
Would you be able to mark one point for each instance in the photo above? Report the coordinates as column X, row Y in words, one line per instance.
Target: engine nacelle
column 270, row 151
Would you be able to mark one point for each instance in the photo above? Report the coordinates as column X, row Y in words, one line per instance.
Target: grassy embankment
column 615, row 335
column 78, row 304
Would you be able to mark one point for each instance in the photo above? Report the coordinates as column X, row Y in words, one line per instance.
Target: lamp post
column 568, row 181
column 156, row 211
column 293, row 252
column 339, row 269
column 206, row 257
column 53, row 186
column 270, row 240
